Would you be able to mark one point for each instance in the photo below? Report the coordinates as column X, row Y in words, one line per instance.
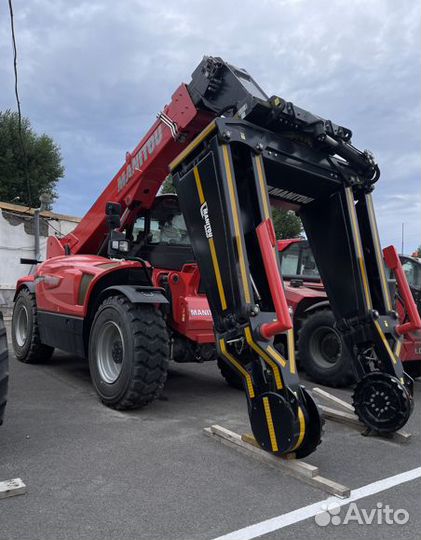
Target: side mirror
column 113, row 213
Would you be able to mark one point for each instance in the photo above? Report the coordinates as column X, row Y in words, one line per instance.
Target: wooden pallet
column 296, row 468
column 350, row 418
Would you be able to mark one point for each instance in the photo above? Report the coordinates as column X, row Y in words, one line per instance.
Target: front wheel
column 128, row 353
column 322, row 354
column 25, row 331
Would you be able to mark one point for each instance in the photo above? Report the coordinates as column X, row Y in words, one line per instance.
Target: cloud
column 93, row 75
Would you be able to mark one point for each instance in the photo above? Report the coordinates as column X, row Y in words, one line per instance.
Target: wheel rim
column 21, row 326
column 325, row 347
column 110, row 352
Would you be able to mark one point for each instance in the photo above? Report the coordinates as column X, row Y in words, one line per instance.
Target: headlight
column 123, row 246
column 120, row 245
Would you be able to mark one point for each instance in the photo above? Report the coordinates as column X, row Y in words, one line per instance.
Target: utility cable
column 15, row 69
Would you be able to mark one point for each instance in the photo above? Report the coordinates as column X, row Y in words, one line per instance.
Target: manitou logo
column 200, row 313
column 135, row 162
column 288, row 195
column 204, row 212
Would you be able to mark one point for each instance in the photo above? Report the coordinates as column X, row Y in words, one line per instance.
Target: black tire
column 27, row 343
column 128, row 353
column 322, row 354
column 4, row 368
column 230, row 375
column 413, row 368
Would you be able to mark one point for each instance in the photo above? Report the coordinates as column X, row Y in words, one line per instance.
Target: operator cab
column 297, row 262
column 159, row 235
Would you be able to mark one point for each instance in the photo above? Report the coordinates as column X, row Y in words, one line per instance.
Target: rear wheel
column 4, row 368
column 128, row 353
column 322, row 354
column 25, row 331
column 230, row 375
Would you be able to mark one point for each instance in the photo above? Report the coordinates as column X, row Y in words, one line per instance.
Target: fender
column 318, row 305
column 71, row 333
column 138, row 294
column 26, row 281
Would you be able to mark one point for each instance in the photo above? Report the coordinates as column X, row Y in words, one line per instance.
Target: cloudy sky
column 94, row 73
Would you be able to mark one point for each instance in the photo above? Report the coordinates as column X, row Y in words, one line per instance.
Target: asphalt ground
column 94, row 473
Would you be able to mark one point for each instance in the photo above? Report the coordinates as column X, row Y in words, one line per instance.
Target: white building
column 17, row 240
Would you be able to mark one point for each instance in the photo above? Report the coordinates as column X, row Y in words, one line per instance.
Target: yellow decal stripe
column 217, row 274
column 215, row 262
column 269, row 421
column 357, row 238
column 385, row 342
column 276, row 355
column 195, row 142
column 199, row 185
column 291, row 351
column 266, row 358
column 377, row 249
column 302, row 423
column 238, row 366
column 263, row 190
column 398, row 348
column 237, row 229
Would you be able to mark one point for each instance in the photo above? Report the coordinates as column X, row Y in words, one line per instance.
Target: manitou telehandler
column 144, row 278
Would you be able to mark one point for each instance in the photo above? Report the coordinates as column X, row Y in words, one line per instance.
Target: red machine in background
column 321, row 353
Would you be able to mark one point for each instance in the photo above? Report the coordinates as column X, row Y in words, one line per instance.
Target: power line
column 48, row 221
column 15, row 68
column 31, row 217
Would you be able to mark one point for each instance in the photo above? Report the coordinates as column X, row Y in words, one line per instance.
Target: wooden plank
column 299, row 466
column 298, row 469
column 9, row 488
column 353, row 421
column 341, row 417
column 330, row 397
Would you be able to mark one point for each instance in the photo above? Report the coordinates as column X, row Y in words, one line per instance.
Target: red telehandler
column 146, row 278
column 321, row 353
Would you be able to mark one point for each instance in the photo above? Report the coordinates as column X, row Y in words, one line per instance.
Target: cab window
column 163, row 225
column 170, row 229
column 413, row 274
column 289, row 260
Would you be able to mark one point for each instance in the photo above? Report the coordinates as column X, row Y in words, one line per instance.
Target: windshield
column 169, row 230
column 298, row 260
column 412, row 271
column 166, row 225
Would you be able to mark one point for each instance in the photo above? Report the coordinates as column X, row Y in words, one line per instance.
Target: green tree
column 168, row 186
column 29, row 165
column 417, row 252
column 286, row 223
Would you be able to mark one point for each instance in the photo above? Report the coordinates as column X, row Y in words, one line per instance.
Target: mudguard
column 139, row 294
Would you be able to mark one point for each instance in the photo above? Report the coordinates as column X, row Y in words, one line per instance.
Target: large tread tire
column 28, row 348
column 4, row 368
column 230, row 375
column 313, row 331
column 144, row 353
